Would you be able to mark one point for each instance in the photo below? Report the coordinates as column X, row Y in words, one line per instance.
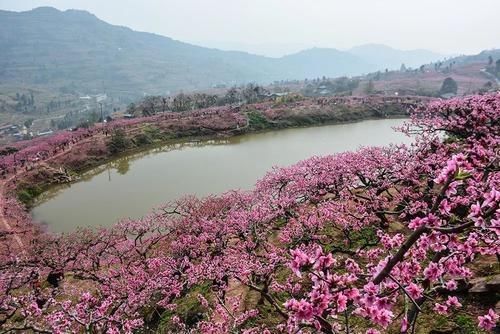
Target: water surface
column 131, row 186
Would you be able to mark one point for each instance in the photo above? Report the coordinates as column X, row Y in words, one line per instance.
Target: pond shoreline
column 164, row 173
column 138, row 151
column 24, row 188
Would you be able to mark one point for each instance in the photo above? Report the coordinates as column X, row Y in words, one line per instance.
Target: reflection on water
column 122, row 166
column 131, row 185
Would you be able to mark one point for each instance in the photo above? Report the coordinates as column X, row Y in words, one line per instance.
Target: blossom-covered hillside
column 361, row 242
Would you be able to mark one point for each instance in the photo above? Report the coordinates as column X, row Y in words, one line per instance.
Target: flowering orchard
column 211, row 121
column 361, row 242
column 26, row 154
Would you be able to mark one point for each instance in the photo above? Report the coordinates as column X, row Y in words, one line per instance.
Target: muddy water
column 131, row 186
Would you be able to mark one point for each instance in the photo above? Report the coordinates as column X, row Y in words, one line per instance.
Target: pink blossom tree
column 349, row 243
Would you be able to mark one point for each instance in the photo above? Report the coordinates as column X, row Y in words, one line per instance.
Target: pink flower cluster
column 364, row 237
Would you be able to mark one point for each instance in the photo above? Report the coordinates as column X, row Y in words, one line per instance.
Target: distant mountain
column 386, row 57
column 318, row 62
column 74, row 51
column 471, row 59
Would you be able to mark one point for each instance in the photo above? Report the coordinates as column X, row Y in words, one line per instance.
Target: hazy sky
column 274, row 27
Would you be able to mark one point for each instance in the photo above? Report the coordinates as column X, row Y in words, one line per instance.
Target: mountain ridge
column 75, row 50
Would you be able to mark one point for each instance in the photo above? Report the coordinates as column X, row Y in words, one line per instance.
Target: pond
column 133, row 185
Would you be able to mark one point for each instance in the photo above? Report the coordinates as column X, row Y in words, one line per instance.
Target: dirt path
column 8, row 226
column 11, row 228
column 3, row 220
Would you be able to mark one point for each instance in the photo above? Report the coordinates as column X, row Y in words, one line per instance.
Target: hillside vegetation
column 75, row 51
column 379, row 240
column 59, row 68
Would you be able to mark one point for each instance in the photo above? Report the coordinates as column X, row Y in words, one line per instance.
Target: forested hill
column 74, row 51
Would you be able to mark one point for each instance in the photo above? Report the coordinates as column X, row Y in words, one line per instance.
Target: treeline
column 326, row 86
column 82, row 118
column 151, row 105
column 75, row 119
column 28, row 104
column 25, row 102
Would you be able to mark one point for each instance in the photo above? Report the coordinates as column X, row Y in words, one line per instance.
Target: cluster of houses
column 13, row 132
column 10, row 130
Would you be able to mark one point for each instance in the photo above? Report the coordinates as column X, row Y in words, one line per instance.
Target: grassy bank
column 123, row 141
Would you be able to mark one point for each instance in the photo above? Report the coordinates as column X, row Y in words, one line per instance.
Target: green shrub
column 258, row 121
column 188, row 309
column 118, row 142
column 302, row 120
column 449, row 87
column 467, row 324
column 153, row 132
column 27, row 194
column 142, row 139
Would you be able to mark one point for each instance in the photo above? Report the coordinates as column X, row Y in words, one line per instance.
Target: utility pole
column 102, row 119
